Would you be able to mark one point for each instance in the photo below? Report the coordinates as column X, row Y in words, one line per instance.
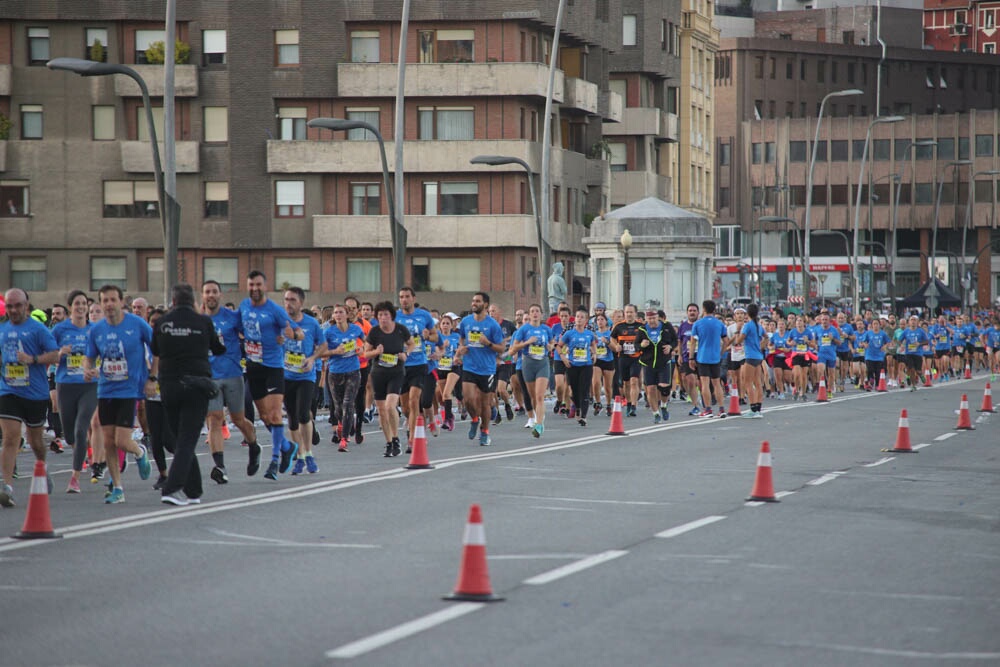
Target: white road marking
column 536, row 556
column 921, row 446
column 595, row 500
column 880, row 461
column 386, row 637
column 945, row 436
column 900, row 653
column 562, row 509
column 829, row 477
column 782, row 494
column 573, row 568
column 691, row 525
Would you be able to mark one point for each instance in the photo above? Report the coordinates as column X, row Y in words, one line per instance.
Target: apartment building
column 961, row 25
column 258, row 189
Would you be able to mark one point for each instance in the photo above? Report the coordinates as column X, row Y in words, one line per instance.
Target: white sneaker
column 531, row 423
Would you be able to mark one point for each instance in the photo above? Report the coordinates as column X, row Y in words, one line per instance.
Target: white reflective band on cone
column 904, row 422
column 39, row 486
column 418, row 432
column 964, row 405
column 764, row 460
column 475, row 535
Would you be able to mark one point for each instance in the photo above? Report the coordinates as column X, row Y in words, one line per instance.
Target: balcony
column 341, row 156
column 644, row 121
column 628, row 187
column 581, row 95
column 185, row 81
column 443, row 231
column 610, row 106
column 448, row 80
column 5, row 79
column 137, row 156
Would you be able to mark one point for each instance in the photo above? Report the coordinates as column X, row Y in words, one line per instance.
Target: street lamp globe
column 626, row 240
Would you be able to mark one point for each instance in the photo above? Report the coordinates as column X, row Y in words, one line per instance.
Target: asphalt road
column 630, row 550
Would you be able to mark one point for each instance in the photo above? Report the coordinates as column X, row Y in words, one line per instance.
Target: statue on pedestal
column 556, row 287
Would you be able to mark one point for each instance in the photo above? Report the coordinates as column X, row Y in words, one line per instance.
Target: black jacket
column 182, row 340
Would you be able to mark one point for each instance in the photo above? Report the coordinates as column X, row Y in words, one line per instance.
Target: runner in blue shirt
column 828, row 338
column 121, row 341
column 754, row 340
column 579, row 349
column 532, row 343
column 913, row 340
column 417, row 395
column 940, row 333
column 448, row 374
column 604, row 365
column 874, row 341
column 344, row 341
column 481, row 340
column 26, row 350
column 801, row 343
column 845, row 350
column 689, row 375
column 302, row 366
column 990, row 339
column 705, row 353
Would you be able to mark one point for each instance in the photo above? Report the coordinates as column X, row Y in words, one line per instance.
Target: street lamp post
column 798, row 243
column 857, row 202
column 937, row 212
column 170, row 210
column 812, row 166
column 544, row 250
column 852, row 262
column 398, row 231
column 963, row 281
column 626, row 241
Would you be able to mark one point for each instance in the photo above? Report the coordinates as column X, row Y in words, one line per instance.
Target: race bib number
column 350, row 348
column 801, row 347
column 825, row 340
column 943, row 338
column 74, row 364
column 15, row 375
column 255, row 351
column 536, row 351
column 579, row 353
column 445, row 363
column 115, row 370
column 628, row 348
column 388, row 360
column 475, row 339
column 602, row 351
column 294, row 362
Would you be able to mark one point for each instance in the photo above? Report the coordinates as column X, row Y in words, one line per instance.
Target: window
column 131, row 199
column 446, row 124
column 619, row 156
column 291, row 271
column 796, row 151
column 664, row 35
column 364, row 46
column 629, row 36
column 924, row 193
column 984, row 142
column 647, row 279
column 369, row 116
column 879, row 149
column 848, row 37
column 142, row 125
column 289, row 199
column 154, row 275
column 216, row 199
column 143, row 40
column 946, row 148
column 838, row 150
column 14, row 195
column 454, row 274
column 291, row 123
column 858, row 149
column 103, row 122
column 789, row 69
column 223, row 270
column 988, row 19
column 216, row 128
column 802, row 70
column 821, row 151
column 758, row 67
column 838, row 195
column 366, row 199
column 682, row 282
column 213, row 47
column 820, row 71
column 459, row 198
column 38, row 46
column 755, row 153
column 724, row 198
column 990, row 47
column 770, row 154
column 28, row 273
column 728, row 241
column 96, row 36
column 286, row 48
column 107, row 271
column 834, row 71
column 725, row 154
column 455, row 46
column 364, row 275
column 963, row 148
column 31, row 121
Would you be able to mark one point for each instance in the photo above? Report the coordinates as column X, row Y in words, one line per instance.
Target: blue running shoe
column 537, row 430
column 473, row 428
column 311, row 466
column 287, row 455
column 484, row 440
column 299, row 467
column 695, row 411
column 656, row 417
column 664, row 413
column 115, row 497
column 143, row 463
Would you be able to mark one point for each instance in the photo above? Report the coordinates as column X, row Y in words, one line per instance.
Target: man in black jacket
column 182, row 340
column 657, row 340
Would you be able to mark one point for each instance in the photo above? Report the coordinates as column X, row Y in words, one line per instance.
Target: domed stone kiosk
column 670, row 252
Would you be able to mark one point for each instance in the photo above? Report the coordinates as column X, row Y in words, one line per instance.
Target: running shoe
column 484, row 439
column 272, row 471
column 160, row 482
column 537, row 430
column 509, row 412
column 97, row 472
column 143, row 462
column 73, row 486
column 338, row 434
column 495, row 416
column 705, row 413
column 694, row 412
column 757, row 415
column 6, row 496
column 748, row 415
column 342, row 448
column 597, row 408
column 254, row 464
column 287, row 456
column 299, row 467
column 664, row 413
column 219, row 475
column 557, row 408
column 530, row 423
column 115, row 497
column 722, row 413
column 395, row 446
column 632, row 412
column 572, row 411
column 176, row 498
column 581, row 421
column 608, row 410
column 311, row 466
column 656, row 418
column 388, row 450
column 359, row 437
column 432, row 426
column 449, row 423
column 781, row 396
column 122, row 461
column 473, row 429
column 56, row 445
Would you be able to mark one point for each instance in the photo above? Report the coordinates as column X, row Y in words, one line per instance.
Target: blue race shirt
column 828, row 338
column 992, row 338
column 227, row 325
column 70, row 370
column 557, row 332
column 709, row 331
column 261, row 327
column 753, row 334
column 913, row 340
column 296, row 351
column 800, row 341
column 122, row 350
column 604, row 352
column 416, row 322
column 449, row 345
column 778, row 341
column 846, row 331
column 349, row 361
column 941, row 335
column 874, row 345
column 579, row 343
column 30, row 381
column 479, row 358
column 542, row 335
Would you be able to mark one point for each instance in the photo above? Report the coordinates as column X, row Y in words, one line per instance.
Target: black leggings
column 526, row 391
column 77, row 402
column 298, row 402
column 343, row 394
column 579, row 379
column 874, row 369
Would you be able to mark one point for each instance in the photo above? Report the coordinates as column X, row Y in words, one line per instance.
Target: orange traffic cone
column 763, row 486
column 418, row 457
column 617, row 424
column 987, row 400
column 473, row 575
column 881, row 382
column 38, row 522
column 927, row 379
column 968, row 371
column 734, row 401
column 821, row 397
column 964, row 420
column 902, row 436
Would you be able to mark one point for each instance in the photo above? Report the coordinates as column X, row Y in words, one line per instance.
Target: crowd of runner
column 83, row 371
